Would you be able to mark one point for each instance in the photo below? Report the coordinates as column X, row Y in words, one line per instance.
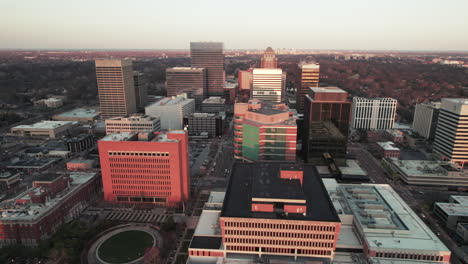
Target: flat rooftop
column 214, row 100
column 80, row 113
column 249, row 180
column 328, row 89
column 133, row 118
column 124, row 136
column 424, row 168
column 456, row 100
column 46, row 125
column 175, row 100
column 388, row 145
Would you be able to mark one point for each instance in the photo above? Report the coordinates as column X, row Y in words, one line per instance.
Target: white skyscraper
column 267, row 84
column 451, row 138
column 425, row 119
column 377, row 113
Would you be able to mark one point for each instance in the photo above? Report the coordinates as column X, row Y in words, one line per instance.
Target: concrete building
column 287, row 217
column 145, row 168
column 140, row 83
column 264, row 131
column 47, row 129
column 428, row 172
column 326, row 123
column 50, row 102
column 80, row 143
column 133, row 123
column 376, row 222
column 115, row 87
column 377, row 113
column 201, row 124
column 267, row 85
column 209, row 55
column 245, row 80
column 213, row 105
column 172, row 110
column 310, row 76
column 82, row 115
column 53, row 200
column 425, row 119
column 192, row 81
column 269, row 59
column 9, row 180
column 388, row 150
column 452, row 130
column 454, row 212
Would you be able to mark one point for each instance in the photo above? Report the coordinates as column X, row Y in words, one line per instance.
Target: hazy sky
column 172, row 24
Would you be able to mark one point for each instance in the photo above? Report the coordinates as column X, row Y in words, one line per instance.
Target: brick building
column 388, row 150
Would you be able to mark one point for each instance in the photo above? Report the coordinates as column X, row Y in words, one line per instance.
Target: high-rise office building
column 172, row 110
column 131, row 124
column 192, row 81
column 264, row 131
column 115, row 87
column 267, row 84
column 209, row 55
column 141, row 90
column 326, row 122
column 452, row 130
column 145, row 167
column 269, row 59
column 376, row 113
column 425, row 119
column 310, row 75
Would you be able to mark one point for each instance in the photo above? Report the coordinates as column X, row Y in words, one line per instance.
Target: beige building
column 310, row 76
column 134, row 123
column 82, row 115
column 115, row 87
column 48, row 129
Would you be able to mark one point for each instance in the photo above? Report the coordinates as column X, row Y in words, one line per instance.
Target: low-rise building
column 134, row 123
column 80, row 143
column 388, row 150
column 462, row 231
column 395, row 135
column 9, row 180
column 50, row 102
column 172, row 110
column 82, row 115
column 47, row 129
column 453, row 212
column 78, row 164
column 213, row 105
column 206, row 123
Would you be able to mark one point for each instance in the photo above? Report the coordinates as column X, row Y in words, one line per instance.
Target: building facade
column 199, row 124
column 145, row 168
column 192, row 81
column 388, row 150
column 172, row 110
column 209, row 55
column 310, row 76
column 425, row 119
column 213, row 105
column 134, row 123
column 140, row 84
column 452, row 130
column 115, row 87
column 326, row 122
column 46, row 129
column 269, row 59
column 245, row 81
column 80, row 143
column 370, row 114
column 264, row 131
column 267, row 85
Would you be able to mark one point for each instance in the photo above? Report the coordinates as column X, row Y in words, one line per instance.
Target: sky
column 240, row 24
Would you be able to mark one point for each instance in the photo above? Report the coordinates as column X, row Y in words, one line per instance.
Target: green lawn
column 125, row 246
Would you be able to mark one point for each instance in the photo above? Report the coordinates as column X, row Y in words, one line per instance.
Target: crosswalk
column 137, row 217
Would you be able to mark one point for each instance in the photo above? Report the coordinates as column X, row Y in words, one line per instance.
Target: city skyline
column 334, row 25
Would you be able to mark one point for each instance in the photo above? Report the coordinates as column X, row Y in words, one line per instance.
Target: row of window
column 408, row 256
column 141, row 187
column 308, row 252
column 270, row 241
column 141, row 182
column 139, row 193
column 280, row 226
column 137, row 153
column 141, row 160
column 142, row 176
column 288, row 234
column 143, row 165
column 135, row 171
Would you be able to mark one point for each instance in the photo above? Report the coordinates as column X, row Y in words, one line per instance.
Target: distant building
column 326, row 123
column 209, row 55
column 172, row 110
column 213, row 105
column 115, row 87
column 452, row 130
column 388, row 150
column 50, row 102
column 245, row 80
column 47, row 129
column 264, row 131
column 192, row 81
column 425, row 119
column 395, row 135
column 9, row 180
column 310, row 76
column 82, row 115
column 80, row 143
column 267, row 85
column 145, row 168
column 80, row 165
column 454, row 212
column 377, row 113
column 37, row 213
column 199, row 124
column 134, row 123
column 140, row 83
column 269, row 59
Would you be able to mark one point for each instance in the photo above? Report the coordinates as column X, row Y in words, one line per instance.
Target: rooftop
column 389, row 145
column 175, row 100
column 328, row 89
column 424, row 167
column 456, row 100
column 184, row 69
column 80, row 113
column 124, row 136
column 132, row 118
column 46, row 125
column 311, row 66
column 214, row 100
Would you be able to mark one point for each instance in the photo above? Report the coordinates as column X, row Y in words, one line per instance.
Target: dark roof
column 206, row 242
column 248, row 179
column 269, row 49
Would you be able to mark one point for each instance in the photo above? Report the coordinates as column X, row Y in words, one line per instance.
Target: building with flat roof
column 80, row 143
column 37, row 213
column 133, row 123
column 428, row 172
column 49, row 102
column 452, row 130
column 286, row 216
column 47, row 129
column 82, row 115
column 245, row 80
column 373, row 113
column 386, row 228
column 192, row 81
column 209, row 55
column 213, row 105
column 198, row 124
column 388, row 149
column 267, row 85
column 264, row 131
column 149, row 168
column 454, row 212
column 172, row 110
column 425, row 119
column 9, row 180
column 116, row 89
column 310, row 76
column 80, row 164
column 140, row 83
